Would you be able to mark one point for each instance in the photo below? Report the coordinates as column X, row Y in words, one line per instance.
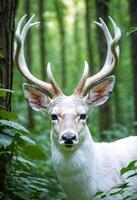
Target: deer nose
column 68, row 137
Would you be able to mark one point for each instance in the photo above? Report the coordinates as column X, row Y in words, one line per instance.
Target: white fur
column 86, row 167
column 93, row 167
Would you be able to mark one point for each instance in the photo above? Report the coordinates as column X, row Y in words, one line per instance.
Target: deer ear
column 36, row 98
column 100, row 93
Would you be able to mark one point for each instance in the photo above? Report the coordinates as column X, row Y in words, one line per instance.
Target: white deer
column 83, row 166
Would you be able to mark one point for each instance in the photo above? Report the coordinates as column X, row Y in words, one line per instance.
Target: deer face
column 69, row 113
column 68, row 116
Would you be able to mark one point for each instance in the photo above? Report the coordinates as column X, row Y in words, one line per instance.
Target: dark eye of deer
column 54, row 117
column 83, row 116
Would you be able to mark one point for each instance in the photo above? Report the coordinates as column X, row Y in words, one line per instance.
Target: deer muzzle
column 68, row 138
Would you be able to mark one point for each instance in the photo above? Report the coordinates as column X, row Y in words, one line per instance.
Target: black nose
column 68, row 137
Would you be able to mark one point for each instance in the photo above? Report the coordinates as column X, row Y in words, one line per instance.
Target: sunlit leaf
column 97, row 194
column 9, row 132
column 122, row 186
column 21, row 172
column 132, row 30
column 23, row 160
column 1, row 56
column 131, row 166
column 3, row 92
column 132, row 175
column 27, row 139
column 14, row 125
column 115, row 193
column 5, row 140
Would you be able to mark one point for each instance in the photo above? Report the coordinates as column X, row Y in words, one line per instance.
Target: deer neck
column 76, row 167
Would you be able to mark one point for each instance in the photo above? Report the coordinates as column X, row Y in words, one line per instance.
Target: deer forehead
column 64, row 105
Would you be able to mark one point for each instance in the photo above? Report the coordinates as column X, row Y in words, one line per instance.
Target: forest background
column 66, row 36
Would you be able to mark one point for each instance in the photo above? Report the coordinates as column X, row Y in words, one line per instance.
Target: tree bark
column 60, row 15
column 29, row 61
column 42, row 4
column 105, row 115
column 88, row 34
column 7, row 14
column 133, row 15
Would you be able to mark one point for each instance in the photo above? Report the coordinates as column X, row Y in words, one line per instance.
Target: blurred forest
column 66, row 36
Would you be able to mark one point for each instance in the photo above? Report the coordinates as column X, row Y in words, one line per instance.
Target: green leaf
column 14, row 125
column 22, row 173
column 9, row 132
column 103, row 196
column 132, row 30
column 127, row 197
column 7, row 115
column 115, row 193
column 27, row 139
column 131, row 166
column 1, row 56
column 34, row 152
column 132, row 175
column 122, row 186
column 97, row 194
column 23, row 160
column 5, row 140
column 3, row 92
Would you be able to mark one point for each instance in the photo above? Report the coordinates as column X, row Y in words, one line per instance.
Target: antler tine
column 112, row 54
column 79, row 88
column 53, row 82
column 21, row 63
column 117, row 37
column 27, row 27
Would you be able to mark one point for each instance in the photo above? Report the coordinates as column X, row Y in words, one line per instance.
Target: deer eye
column 83, row 116
column 54, row 117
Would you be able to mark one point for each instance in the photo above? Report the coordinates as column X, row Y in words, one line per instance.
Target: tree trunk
column 77, row 40
column 59, row 12
column 42, row 40
column 133, row 14
column 105, row 114
column 7, row 14
column 29, row 61
column 88, row 34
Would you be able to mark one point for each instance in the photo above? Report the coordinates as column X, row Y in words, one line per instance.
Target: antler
column 110, row 62
column 53, row 88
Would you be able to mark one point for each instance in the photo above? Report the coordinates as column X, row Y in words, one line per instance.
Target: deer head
column 68, row 113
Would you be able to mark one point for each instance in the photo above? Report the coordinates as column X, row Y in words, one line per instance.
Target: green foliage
column 131, row 166
column 25, row 170
column 13, row 125
column 20, row 156
column 123, row 189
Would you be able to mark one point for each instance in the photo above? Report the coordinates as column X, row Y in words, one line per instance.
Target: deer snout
column 68, row 138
